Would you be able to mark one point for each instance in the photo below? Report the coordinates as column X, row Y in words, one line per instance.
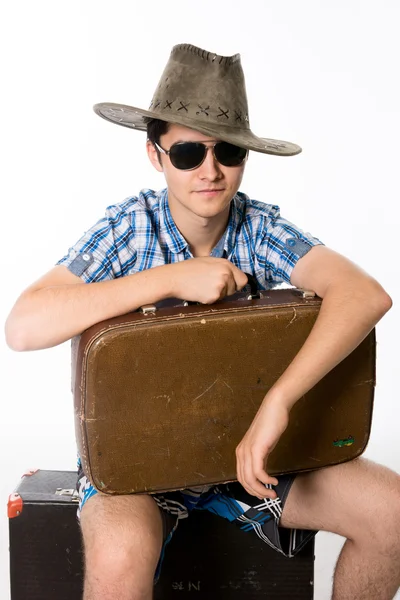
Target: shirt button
column 292, row 242
column 86, row 256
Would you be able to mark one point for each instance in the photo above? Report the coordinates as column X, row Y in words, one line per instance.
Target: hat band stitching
column 203, row 110
column 224, row 113
column 183, row 106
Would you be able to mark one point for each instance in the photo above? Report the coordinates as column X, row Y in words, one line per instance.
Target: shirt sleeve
column 105, row 251
column 283, row 245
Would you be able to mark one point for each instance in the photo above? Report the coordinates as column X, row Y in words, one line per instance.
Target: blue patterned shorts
column 228, row 500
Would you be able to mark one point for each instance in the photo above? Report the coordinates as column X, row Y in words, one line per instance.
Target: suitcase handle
column 152, row 308
column 254, row 291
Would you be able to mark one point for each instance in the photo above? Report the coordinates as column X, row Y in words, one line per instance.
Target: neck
column 204, row 239
column 201, row 233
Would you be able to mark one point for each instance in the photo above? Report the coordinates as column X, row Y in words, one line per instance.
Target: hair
column 155, row 129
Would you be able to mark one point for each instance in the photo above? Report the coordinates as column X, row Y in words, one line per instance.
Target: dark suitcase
column 164, row 396
column 208, row 557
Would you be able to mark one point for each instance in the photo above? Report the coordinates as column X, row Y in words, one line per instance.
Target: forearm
column 49, row 316
column 348, row 313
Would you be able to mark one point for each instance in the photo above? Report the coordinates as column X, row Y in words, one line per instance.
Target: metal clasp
column 256, row 296
column 308, row 293
column 148, row 308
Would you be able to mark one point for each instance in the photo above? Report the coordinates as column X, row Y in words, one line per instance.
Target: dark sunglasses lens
column 187, row 155
column 229, row 155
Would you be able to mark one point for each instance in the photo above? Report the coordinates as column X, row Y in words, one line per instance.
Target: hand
column 205, row 279
column 253, row 451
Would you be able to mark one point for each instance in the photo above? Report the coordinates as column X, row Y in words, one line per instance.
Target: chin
column 208, row 212
column 210, row 206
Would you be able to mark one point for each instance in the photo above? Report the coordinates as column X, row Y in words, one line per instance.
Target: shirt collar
column 173, row 237
column 234, row 224
column 175, row 240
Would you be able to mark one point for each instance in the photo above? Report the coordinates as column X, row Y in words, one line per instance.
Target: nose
column 209, row 169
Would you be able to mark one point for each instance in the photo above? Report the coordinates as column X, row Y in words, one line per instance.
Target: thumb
column 240, row 278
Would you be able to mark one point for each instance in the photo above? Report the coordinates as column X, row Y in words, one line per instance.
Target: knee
column 124, row 554
column 381, row 523
column 120, row 557
column 121, row 569
column 130, row 555
column 122, row 540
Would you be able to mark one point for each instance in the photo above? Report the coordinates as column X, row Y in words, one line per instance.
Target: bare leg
column 122, row 538
column 359, row 500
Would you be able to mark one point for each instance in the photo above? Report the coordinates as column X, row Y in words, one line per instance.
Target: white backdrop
column 321, row 74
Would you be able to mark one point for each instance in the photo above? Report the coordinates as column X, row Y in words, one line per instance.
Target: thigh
column 352, row 499
column 115, row 509
column 122, row 540
column 127, row 522
column 120, row 530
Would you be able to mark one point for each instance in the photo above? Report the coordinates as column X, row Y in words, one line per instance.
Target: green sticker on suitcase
column 349, row 441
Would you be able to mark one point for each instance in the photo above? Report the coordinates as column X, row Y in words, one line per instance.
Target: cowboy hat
column 203, row 91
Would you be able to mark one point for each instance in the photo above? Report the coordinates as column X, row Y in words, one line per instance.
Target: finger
column 264, row 490
column 224, row 292
column 245, row 481
column 229, row 284
column 253, row 485
column 245, row 476
column 242, row 478
column 244, row 473
column 240, row 280
column 239, row 277
column 260, row 472
column 259, row 478
column 239, row 467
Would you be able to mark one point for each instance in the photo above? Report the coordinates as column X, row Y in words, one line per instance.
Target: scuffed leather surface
column 162, row 400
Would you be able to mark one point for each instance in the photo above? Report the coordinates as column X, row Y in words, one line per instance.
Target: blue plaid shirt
column 140, row 233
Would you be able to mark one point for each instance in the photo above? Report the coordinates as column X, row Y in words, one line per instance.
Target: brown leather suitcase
column 164, row 395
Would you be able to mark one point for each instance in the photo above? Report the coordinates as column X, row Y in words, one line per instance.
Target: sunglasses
column 190, row 155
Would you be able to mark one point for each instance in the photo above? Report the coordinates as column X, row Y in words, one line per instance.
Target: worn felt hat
column 203, row 91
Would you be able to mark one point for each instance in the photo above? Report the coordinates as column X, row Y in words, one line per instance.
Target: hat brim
column 136, row 118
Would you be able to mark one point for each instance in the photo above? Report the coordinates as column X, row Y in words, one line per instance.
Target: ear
column 153, row 156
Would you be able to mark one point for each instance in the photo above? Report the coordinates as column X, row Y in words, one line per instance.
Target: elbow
column 17, row 329
column 386, row 303
column 22, row 330
column 380, row 300
column 15, row 336
column 368, row 295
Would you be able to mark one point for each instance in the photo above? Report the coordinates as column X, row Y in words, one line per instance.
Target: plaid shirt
column 140, row 233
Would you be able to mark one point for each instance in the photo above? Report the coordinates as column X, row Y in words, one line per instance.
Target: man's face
column 205, row 191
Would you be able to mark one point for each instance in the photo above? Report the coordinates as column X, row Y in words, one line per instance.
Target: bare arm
column 353, row 302
column 59, row 305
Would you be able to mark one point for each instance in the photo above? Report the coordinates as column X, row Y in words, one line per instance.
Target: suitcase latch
column 308, row 293
column 148, row 309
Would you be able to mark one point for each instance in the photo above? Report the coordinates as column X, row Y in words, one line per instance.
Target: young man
column 194, row 240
